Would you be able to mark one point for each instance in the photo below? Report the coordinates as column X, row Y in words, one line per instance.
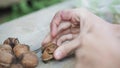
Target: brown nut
column 11, row 41
column 6, row 58
column 6, row 55
column 2, row 66
column 46, row 56
column 48, row 50
column 18, row 65
column 6, row 47
column 29, row 60
column 20, row 49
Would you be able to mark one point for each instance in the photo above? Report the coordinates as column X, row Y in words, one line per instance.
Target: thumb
column 66, row 48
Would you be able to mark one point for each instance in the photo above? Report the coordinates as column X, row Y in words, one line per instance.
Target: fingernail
column 58, row 55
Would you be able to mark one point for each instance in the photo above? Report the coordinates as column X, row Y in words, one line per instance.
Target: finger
column 47, row 39
column 63, row 26
column 60, row 16
column 67, row 31
column 56, row 20
column 75, row 30
column 64, row 38
column 65, row 49
column 64, row 31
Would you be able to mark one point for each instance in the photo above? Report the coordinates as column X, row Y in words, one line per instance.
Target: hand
column 95, row 44
column 70, row 30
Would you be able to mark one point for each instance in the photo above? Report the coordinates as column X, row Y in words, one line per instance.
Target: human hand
column 70, row 30
column 95, row 44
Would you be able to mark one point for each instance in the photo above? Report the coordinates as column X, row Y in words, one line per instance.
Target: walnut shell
column 6, row 55
column 46, row 56
column 29, row 60
column 20, row 49
column 18, row 65
column 11, row 41
column 6, row 58
column 48, row 50
column 6, row 47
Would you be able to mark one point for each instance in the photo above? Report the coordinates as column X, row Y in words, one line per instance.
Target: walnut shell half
column 47, row 52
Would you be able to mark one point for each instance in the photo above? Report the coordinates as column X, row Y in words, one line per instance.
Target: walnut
column 6, row 47
column 6, row 56
column 11, row 41
column 5, row 59
column 29, row 60
column 16, row 55
column 17, row 65
column 47, row 51
column 20, row 49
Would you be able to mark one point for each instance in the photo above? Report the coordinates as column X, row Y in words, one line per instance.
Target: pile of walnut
column 47, row 51
column 16, row 55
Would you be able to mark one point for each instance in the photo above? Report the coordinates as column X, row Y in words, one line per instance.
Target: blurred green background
column 11, row 9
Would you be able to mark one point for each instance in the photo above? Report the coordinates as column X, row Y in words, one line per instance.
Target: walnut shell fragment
column 47, row 52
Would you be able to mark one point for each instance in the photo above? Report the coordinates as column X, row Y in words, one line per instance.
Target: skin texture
column 94, row 41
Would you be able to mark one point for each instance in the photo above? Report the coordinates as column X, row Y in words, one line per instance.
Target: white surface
column 31, row 29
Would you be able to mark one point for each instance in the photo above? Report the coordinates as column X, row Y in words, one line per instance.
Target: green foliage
column 28, row 6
